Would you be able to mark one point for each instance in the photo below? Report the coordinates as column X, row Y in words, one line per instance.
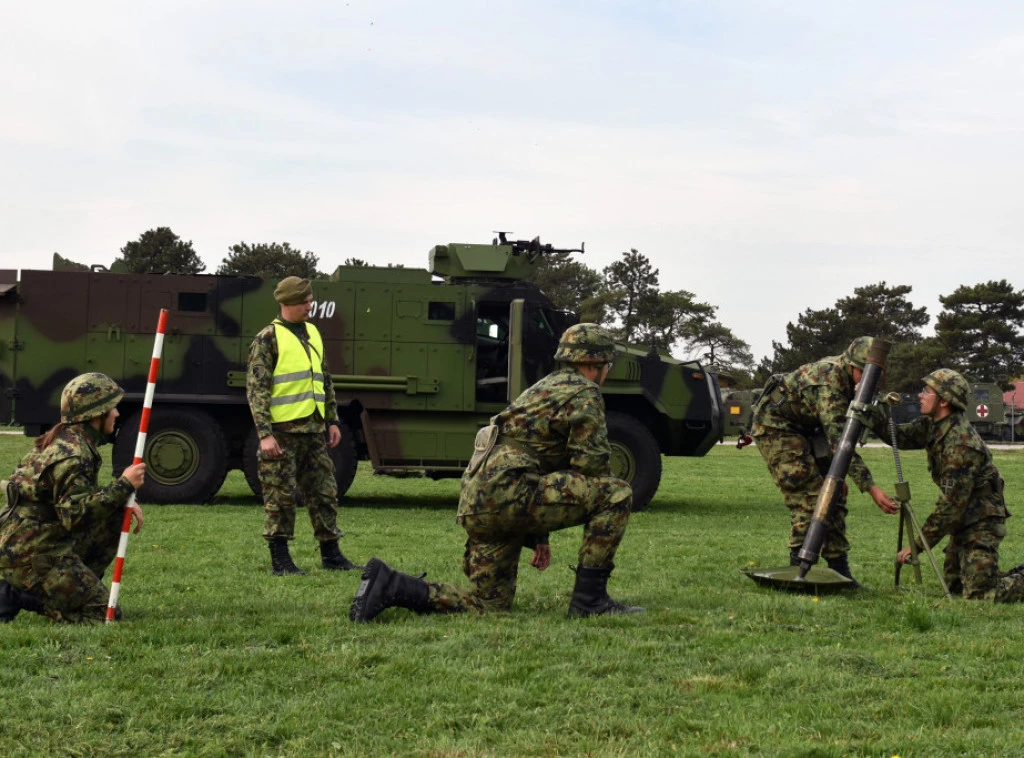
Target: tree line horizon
column 979, row 331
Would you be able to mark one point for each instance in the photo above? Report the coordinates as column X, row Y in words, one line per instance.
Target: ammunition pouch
column 820, row 448
column 773, row 393
column 484, row 443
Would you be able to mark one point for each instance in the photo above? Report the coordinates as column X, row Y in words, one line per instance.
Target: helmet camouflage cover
column 949, row 386
column 857, row 353
column 585, row 343
column 88, row 396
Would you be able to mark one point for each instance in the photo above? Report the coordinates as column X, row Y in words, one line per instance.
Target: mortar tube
column 810, row 551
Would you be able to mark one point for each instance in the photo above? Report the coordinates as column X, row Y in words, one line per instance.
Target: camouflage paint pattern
column 306, row 468
column 415, row 373
column 549, row 471
column 59, row 539
column 970, row 510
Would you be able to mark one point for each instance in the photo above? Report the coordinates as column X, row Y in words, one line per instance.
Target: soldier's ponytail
column 47, row 439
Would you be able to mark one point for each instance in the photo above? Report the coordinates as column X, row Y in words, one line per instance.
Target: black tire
column 343, row 456
column 636, row 456
column 186, row 456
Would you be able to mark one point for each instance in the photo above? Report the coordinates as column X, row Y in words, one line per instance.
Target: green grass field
column 218, row 657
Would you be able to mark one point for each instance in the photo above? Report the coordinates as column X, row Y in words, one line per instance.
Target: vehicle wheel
column 636, row 456
column 343, row 456
column 186, row 455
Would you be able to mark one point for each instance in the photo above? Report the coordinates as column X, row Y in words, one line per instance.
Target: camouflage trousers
column 68, row 580
column 971, row 566
column 559, row 500
column 798, row 475
column 307, row 471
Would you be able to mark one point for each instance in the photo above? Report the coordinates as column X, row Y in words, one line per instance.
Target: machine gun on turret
column 532, row 248
column 503, row 259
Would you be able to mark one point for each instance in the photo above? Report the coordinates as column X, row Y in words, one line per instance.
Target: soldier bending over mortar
column 798, row 421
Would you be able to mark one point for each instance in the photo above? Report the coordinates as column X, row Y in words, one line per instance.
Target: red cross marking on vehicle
column 982, row 410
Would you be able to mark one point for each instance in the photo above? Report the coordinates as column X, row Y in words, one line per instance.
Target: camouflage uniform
column 798, row 421
column 59, row 539
column 543, row 464
column 549, row 470
column 306, row 465
column 970, row 509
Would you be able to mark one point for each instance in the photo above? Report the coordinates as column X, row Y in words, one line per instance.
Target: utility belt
column 512, row 442
column 486, row 440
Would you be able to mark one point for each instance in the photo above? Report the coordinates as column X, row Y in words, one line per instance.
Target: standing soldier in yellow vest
column 292, row 402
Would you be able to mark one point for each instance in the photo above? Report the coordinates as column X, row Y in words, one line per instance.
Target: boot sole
column 356, row 611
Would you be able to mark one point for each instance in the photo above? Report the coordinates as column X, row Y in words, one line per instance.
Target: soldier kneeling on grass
column 59, row 530
column 542, row 465
column 970, row 509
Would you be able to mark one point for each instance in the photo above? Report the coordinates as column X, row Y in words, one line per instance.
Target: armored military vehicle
column 738, row 411
column 985, row 411
column 420, row 360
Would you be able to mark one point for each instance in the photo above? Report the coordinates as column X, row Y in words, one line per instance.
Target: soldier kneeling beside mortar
column 542, row 465
column 970, row 510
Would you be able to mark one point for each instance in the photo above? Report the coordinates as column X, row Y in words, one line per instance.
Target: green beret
column 292, row 290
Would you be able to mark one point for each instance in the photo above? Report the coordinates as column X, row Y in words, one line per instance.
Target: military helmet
column 857, row 353
column 585, row 343
column 949, row 386
column 88, row 396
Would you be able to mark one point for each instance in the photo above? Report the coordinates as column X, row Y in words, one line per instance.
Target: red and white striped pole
column 140, row 449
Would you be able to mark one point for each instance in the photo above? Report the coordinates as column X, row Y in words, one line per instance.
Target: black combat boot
column 590, row 595
column 332, row 559
column 10, row 602
column 841, row 566
column 281, row 559
column 383, row 587
column 14, row 600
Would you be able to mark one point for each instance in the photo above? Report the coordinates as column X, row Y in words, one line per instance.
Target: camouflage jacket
column 960, row 463
column 814, row 396
column 58, row 495
column 259, row 384
column 558, row 423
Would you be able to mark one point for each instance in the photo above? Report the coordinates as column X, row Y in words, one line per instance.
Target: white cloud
column 767, row 156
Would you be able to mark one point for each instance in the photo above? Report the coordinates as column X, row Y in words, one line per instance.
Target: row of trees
column 627, row 296
column 160, row 251
column 979, row 331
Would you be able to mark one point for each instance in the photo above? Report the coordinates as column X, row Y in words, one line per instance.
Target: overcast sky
column 767, row 156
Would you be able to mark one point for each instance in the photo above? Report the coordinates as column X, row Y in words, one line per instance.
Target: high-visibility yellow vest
column 298, row 388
